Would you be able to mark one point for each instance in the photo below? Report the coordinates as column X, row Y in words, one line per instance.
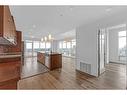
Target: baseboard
column 83, row 73
column 117, row 62
column 102, row 71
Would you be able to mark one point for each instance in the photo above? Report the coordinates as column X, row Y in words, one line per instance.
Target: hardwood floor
column 31, row 67
column 67, row 78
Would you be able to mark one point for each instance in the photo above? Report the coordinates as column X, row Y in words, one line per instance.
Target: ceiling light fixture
column 108, row 9
column 42, row 39
column 32, row 36
column 49, row 36
column 34, row 26
column 71, row 8
column 61, row 14
column 45, row 38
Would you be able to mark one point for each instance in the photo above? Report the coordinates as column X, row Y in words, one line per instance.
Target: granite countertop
column 49, row 53
column 41, row 51
column 10, row 55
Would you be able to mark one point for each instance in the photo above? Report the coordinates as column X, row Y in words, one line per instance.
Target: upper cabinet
column 7, row 27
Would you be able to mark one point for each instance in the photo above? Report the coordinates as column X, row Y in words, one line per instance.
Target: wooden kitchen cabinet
column 9, row 73
column 1, row 20
column 9, row 85
column 56, row 61
column 7, row 27
column 53, row 61
column 10, row 64
column 18, row 46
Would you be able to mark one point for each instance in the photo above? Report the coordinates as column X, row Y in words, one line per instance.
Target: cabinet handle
column 18, row 70
column 0, row 19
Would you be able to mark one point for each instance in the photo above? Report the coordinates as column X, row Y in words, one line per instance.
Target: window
column 36, row 45
column 73, row 43
column 32, row 47
column 68, row 45
column 48, row 45
column 60, row 45
column 42, row 45
column 64, row 44
column 122, row 45
column 29, row 45
column 28, row 48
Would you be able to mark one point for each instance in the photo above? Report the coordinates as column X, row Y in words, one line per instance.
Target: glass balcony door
column 122, row 45
column 68, row 48
column 28, row 48
column 31, row 47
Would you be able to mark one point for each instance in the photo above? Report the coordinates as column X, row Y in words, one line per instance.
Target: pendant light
column 49, row 37
column 42, row 39
column 45, row 38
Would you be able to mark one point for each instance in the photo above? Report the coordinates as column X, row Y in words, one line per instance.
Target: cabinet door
column 9, row 26
column 56, row 61
column 9, row 71
column 9, row 75
column 1, row 21
column 9, row 86
column 6, row 23
column 13, row 31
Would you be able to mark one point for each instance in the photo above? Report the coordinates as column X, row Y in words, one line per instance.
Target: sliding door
column 28, row 48
column 122, row 46
column 68, row 48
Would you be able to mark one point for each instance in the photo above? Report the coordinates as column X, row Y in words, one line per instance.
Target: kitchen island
column 51, row 60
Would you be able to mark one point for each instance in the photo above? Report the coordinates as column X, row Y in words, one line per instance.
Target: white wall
column 86, row 47
column 86, row 37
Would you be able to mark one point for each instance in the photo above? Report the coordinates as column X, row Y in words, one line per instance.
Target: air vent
column 85, row 67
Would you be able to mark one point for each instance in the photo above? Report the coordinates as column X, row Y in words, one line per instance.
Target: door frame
column 98, row 38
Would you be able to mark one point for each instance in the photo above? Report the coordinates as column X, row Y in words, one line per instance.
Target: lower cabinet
column 55, row 61
column 9, row 74
column 9, row 85
column 51, row 60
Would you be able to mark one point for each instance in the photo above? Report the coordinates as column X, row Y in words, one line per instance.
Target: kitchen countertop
column 10, row 55
column 49, row 53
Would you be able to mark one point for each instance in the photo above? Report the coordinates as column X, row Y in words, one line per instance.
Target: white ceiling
column 39, row 21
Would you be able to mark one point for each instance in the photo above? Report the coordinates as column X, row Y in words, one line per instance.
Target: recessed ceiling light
column 34, row 26
column 32, row 36
column 108, row 9
column 61, row 14
column 71, row 8
column 45, row 38
column 42, row 39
